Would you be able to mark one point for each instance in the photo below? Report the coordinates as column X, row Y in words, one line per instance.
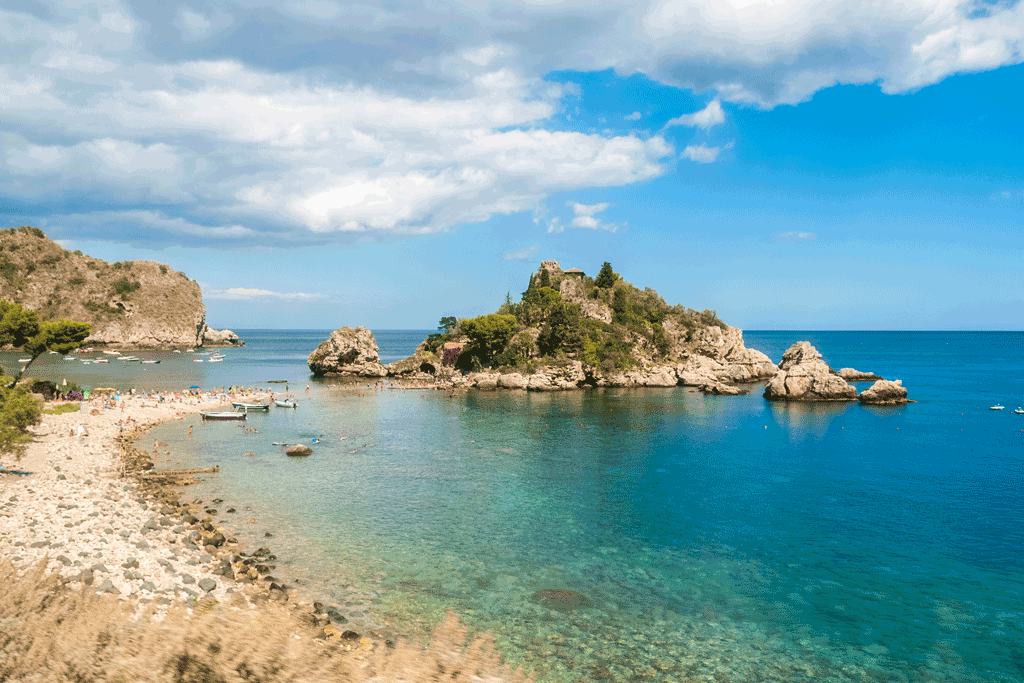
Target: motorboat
column 101, row 360
column 251, row 407
column 1019, row 411
column 215, row 360
column 177, row 350
column 24, row 360
column 112, row 353
column 70, row 358
column 197, row 360
column 221, row 415
column 285, row 403
column 150, row 362
column 996, row 407
column 130, row 359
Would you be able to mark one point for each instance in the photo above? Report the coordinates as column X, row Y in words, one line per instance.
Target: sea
column 644, row 534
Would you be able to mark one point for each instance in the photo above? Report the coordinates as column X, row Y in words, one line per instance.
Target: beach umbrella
column 65, row 382
column 194, row 387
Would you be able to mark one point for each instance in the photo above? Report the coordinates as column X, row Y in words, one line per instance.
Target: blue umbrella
column 195, row 387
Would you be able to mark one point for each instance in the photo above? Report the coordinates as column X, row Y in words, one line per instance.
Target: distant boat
column 222, row 415
column 86, row 362
column 1019, row 411
column 285, row 403
column 197, row 360
column 24, row 360
column 52, row 352
column 112, row 353
column 101, row 360
column 129, row 359
column 70, row 358
column 150, row 362
column 251, row 406
column 177, row 350
column 996, row 407
column 215, row 360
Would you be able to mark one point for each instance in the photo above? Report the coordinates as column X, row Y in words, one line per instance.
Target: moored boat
column 285, row 403
column 101, row 360
column 996, row 407
column 251, row 406
column 222, row 415
column 150, row 362
column 1019, row 411
column 112, row 353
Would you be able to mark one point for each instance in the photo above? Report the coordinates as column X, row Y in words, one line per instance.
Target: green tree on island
column 488, row 334
column 605, row 277
column 447, row 324
column 20, row 327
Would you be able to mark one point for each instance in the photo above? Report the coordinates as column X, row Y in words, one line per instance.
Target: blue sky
column 316, row 163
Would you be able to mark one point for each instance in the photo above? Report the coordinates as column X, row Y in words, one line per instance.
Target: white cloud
column 584, row 216
column 795, row 236
column 635, row 116
column 706, row 118
column 526, row 254
column 701, row 153
column 251, row 294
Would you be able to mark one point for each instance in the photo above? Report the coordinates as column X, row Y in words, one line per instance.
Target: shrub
column 163, row 270
column 124, row 287
column 450, row 356
column 74, row 396
column 8, row 270
column 77, row 252
column 77, row 281
column 488, row 334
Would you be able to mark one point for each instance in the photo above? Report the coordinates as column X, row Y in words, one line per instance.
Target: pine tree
column 606, row 277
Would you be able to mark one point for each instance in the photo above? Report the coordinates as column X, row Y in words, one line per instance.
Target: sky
column 801, row 164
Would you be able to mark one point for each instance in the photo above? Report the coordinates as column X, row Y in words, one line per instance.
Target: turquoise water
column 713, row 538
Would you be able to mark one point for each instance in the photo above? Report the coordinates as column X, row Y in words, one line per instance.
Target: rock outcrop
column 221, row 338
column 803, row 376
column 135, row 304
column 348, row 351
column 851, row 375
column 884, row 393
column 422, row 364
column 298, row 450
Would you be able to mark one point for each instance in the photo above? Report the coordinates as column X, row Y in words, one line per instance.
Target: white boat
column 24, row 360
column 129, row 359
column 1019, row 411
column 215, row 360
column 285, row 403
column 150, row 362
column 86, row 362
column 251, row 406
column 112, row 353
column 177, row 350
column 70, row 358
column 197, row 360
column 101, row 360
column 51, row 352
column 996, row 407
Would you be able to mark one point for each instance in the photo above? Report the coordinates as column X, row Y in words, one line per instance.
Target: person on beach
column 190, row 431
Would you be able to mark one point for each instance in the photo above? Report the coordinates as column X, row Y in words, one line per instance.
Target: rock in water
column 299, row 449
column 347, row 351
column 851, row 375
column 561, row 599
column 884, row 393
column 803, row 376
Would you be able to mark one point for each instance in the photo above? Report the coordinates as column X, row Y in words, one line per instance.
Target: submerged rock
column 884, row 393
column 561, row 599
column 803, row 376
column 851, row 375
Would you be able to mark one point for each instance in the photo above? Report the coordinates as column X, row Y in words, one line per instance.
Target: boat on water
column 197, row 360
column 996, row 407
column 24, row 360
column 150, row 362
column 112, row 353
column 1019, row 411
column 130, row 359
column 177, row 350
column 215, row 360
column 284, row 403
column 101, row 360
column 70, row 358
column 251, row 406
column 221, row 415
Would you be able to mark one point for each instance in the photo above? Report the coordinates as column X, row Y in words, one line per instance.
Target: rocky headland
column 568, row 333
column 129, row 304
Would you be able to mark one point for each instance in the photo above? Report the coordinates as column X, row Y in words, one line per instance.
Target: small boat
column 112, row 353
column 197, row 360
column 86, row 362
column 215, row 360
column 150, row 362
column 24, row 360
column 251, row 406
column 285, row 403
column 101, row 360
column 996, row 407
column 222, row 415
column 1019, row 411
column 70, row 358
column 177, row 350
column 51, row 352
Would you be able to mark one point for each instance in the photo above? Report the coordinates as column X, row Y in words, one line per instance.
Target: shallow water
column 714, row 538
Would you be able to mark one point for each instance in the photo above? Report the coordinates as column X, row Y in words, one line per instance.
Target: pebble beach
column 77, row 509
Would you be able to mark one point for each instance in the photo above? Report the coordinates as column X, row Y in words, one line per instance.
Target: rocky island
column 570, row 331
column 138, row 304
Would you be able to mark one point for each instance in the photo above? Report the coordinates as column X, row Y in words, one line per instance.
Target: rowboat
column 285, row 403
column 252, row 406
column 222, row 415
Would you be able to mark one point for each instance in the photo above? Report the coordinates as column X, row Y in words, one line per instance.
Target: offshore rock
column 851, row 375
column 720, row 389
column 884, row 393
column 299, row 449
column 348, row 351
column 804, row 376
column 221, row 338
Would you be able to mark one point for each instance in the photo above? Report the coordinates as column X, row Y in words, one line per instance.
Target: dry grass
column 49, row 632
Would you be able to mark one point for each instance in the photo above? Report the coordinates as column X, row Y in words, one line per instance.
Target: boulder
column 299, row 449
column 803, row 376
column 348, row 351
column 221, row 338
column 721, row 389
column 557, row 377
column 884, row 393
column 561, row 599
column 851, row 375
column 485, row 381
column 512, row 380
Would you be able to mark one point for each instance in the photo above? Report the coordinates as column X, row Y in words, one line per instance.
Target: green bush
column 63, row 408
column 77, row 281
column 124, row 287
column 19, row 410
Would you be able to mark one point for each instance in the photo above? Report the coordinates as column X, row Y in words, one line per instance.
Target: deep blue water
column 718, row 538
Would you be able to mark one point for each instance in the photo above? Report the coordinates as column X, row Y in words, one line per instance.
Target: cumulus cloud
column 251, row 294
column 635, row 116
column 701, row 153
column 706, row 118
column 526, row 254
column 795, row 236
column 585, row 216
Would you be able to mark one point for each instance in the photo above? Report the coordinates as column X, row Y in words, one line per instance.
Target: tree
column 488, row 334
column 605, row 277
column 447, row 324
column 545, row 277
column 20, row 327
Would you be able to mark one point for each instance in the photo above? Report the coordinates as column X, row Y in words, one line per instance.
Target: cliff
column 129, row 303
